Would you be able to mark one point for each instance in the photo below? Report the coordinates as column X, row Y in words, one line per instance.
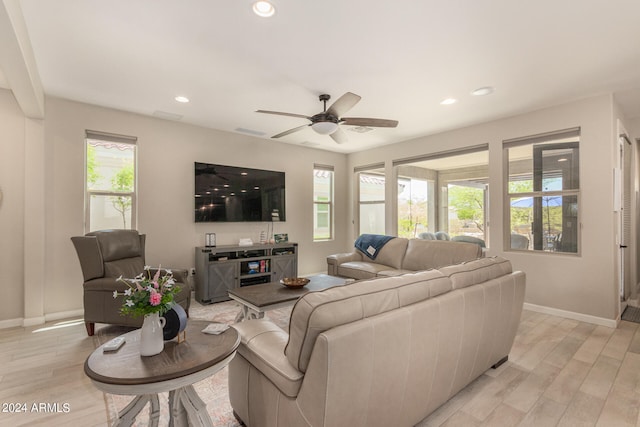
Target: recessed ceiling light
column 182, row 99
column 264, row 9
column 448, row 101
column 481, row 91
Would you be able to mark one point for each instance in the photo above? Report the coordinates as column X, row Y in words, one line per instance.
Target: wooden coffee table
column 255, row 300
column 174, row 370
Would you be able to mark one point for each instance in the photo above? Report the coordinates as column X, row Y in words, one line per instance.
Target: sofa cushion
column 361, row 269
column 317, row 312
column 425, row 254
column 392, row 253
column 478, row 271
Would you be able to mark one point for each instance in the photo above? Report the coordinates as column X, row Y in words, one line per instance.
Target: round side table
column 174, row 370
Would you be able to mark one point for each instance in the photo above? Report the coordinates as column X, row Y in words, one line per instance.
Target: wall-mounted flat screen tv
column 236, row 194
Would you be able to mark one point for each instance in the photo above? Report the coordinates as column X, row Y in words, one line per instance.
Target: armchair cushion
column 127, row 267
column 119, row 244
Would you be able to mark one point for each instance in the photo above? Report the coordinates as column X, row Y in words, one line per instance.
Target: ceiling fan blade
column 287, row 132
column 344, row 104
column 364, row 121
column 279, row 113
column 339, row 136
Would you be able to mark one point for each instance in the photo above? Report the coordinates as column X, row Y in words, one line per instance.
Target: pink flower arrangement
column 148, row 294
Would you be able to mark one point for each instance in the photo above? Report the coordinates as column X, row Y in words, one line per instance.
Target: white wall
column 166, row 153
column 12, row 171
column 582, row 284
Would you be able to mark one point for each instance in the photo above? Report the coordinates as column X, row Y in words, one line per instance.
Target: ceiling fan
column 326, row 122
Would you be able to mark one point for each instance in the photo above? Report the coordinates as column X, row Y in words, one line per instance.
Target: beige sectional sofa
column 380, row 352
column 401, row 256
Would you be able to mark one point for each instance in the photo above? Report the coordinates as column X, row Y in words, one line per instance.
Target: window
column 444, row 192
column 322, row 202
column 110, row 182
column 414, row 195
column 543, row 192
column 371, row 191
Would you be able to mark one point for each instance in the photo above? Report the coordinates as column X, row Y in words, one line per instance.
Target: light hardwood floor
column 560, row 372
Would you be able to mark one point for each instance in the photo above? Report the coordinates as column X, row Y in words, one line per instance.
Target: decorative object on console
column 245, row 242
column 210, row 240
column 281, row 237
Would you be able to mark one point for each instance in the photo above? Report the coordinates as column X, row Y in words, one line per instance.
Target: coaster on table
column 215, row 328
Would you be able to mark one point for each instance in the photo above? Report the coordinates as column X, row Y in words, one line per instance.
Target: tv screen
column 235, row 194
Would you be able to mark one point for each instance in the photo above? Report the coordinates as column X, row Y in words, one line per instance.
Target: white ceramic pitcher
column 151, row 339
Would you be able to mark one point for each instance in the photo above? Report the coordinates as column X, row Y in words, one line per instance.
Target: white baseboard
column 39, row 320
column 601, row 321
column 10, row 323
column 32, row 321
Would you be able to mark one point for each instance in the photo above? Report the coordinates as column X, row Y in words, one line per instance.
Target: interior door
column 625, row 218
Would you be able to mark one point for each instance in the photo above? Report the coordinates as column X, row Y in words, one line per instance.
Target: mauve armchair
column 106, row 255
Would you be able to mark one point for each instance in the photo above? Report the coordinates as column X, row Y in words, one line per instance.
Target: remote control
column 113, row 345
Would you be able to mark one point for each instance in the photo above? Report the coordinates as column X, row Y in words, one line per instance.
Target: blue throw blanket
column 370, row 244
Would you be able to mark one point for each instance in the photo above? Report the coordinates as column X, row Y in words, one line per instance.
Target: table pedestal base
column 128, row 415
column 187, row 409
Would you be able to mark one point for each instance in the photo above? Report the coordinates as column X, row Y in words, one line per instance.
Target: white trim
column 33, row 321
column 10, row 323
column 610, row 323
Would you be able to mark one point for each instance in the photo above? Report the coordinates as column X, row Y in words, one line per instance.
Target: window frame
column 548, row 140
column 463, row 173
column 88, row 193
column 328, row 203
column 370, row 171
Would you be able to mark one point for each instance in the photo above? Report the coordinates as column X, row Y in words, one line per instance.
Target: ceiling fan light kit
column 327, row 122
column 325, row 128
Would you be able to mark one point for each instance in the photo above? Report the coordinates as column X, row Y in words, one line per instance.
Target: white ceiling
column 403, row 57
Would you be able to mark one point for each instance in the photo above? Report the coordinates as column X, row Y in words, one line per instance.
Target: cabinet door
column 284, row 266
column 222, row 277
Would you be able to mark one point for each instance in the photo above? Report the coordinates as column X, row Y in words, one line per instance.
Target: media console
column 221, row 268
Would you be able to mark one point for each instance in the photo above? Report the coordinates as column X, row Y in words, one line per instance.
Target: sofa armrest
column 262, row 344
column 333, row 261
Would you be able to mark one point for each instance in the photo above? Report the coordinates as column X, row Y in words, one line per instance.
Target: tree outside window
column 110, row 184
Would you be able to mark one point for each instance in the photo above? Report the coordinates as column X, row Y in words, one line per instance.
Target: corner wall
column 12, row 173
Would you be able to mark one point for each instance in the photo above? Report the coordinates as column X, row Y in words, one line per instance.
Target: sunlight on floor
column 59, row 325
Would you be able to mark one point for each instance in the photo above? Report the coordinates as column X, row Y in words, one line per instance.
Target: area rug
column 214, row 390
column 631, row 314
